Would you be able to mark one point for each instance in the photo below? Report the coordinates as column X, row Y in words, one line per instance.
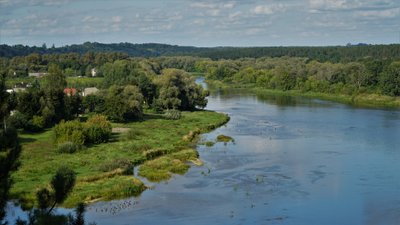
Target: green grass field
column 148, row 142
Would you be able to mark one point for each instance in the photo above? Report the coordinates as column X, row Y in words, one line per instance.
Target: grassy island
column 157, row 145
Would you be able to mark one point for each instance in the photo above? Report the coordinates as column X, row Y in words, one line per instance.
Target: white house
column 94, row 72
column 89, row 91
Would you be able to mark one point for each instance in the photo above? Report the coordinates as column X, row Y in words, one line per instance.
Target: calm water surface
column 294, row 161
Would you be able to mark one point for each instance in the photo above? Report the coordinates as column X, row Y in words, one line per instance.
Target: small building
column 70, row 91
column 19, row 89
column 89, row 91
column 93, row 72
column 37, row 74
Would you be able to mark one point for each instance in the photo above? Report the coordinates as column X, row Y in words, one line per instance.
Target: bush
column 70, row 131
column 124, row 164
column 68, row 147
column 17, row 120
column 98, row 129
column 37, row 123
column 173, row 114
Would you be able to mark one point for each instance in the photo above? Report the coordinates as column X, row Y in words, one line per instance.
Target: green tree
column 124, row 103
column 9, row 148
column 390, row 79
column 55, row 80
column 178, row 90
column 62, row 185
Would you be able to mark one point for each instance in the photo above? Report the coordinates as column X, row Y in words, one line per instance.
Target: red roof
column 70, row 91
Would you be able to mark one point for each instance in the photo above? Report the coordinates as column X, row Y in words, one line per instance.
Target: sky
column 202, row 23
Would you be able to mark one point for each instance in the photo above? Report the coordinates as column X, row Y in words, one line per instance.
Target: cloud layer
column 200, row 22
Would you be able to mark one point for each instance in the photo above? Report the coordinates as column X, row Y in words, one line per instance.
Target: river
column 294, row 160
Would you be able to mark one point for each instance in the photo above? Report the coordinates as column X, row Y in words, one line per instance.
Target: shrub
column 70, row 131
column 68, row 147
column 17, row 120
column 173, row 114
column 98, row 129
column 124, row 164
column 37, row 123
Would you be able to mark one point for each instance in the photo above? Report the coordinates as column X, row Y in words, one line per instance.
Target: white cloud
column 229, row 5
column 254, row 31
column 203, row 5
column 328, row 4
column 268, row 9
column 384, row 14
column 90, row 19
column 116, row 19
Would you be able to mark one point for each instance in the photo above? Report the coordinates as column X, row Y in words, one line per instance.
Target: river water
column 293, row 161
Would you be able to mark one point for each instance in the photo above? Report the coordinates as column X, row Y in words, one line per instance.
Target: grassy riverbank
column 100, row 168
column 362, row 99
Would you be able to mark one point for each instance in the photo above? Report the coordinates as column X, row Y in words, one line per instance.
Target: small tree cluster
column 71, row 134
column 178, row 90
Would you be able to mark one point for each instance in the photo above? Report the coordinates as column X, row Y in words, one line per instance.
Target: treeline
column 371, row 76
column 322, row 54
column 133, row 50
column 74, row 64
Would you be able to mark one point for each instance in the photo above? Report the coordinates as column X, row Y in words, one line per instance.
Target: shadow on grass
column 153, row 116
column 26, row 140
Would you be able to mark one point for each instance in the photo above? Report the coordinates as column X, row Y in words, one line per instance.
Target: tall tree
column 9, row 149
column 178, row 90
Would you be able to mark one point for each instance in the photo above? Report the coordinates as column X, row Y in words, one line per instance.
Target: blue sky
column 200, row 22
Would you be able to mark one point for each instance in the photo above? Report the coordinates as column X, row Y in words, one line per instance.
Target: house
column 19, row 87
column 93, row 72
column 70, row 91
column 89, row 91
column 37, row 74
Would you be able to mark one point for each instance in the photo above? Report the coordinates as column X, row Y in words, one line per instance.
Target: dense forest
column 323, row 54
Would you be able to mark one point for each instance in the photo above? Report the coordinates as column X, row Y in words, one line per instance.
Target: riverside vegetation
column 156, row 118
column 155, row 101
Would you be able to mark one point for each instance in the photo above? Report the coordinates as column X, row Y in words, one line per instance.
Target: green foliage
column 178, row 90
column 45, row 198
column 37, row 123
column 68, row 147
column 124, row 164
column 93, row 103
column 98, row 129
column 124, row 103
column 70, row 131
column 17, row 120
column 153, row 132
column 390, row 80
column 55, row 80
column 62, row 183
column 173, row 114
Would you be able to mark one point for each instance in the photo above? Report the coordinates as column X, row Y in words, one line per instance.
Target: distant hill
column 330, row 53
